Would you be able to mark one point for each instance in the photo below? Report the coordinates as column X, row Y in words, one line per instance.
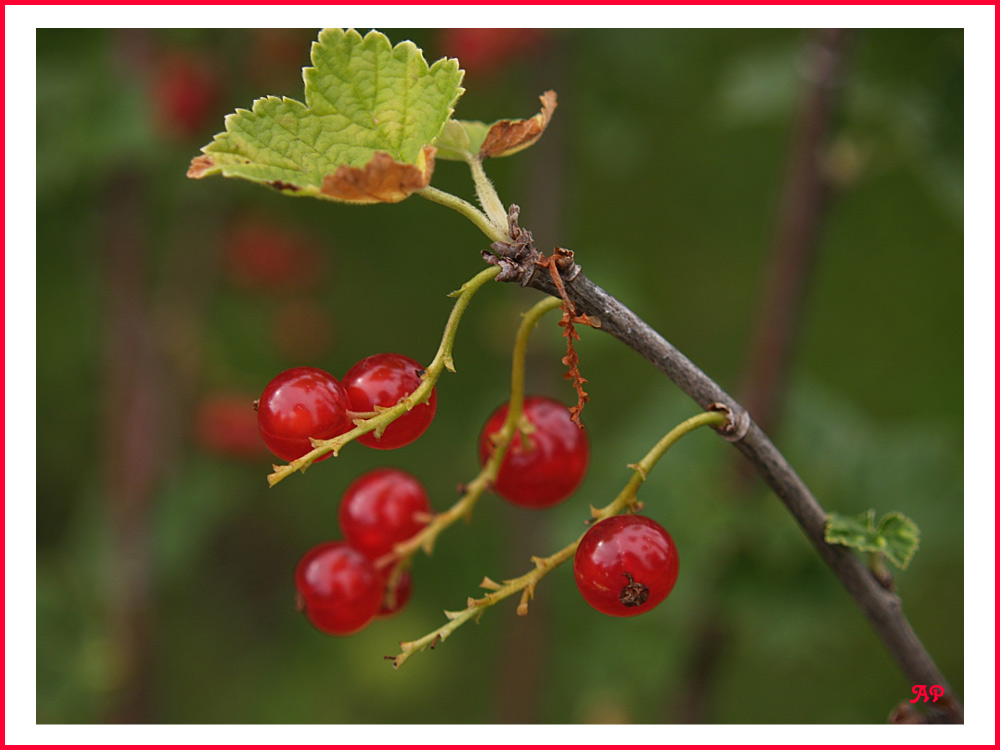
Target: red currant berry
column 338, row 588
column 299, row 404
column 393, row 601
column 382, row 380
column 380, row 509
column 625, row 565
column 547, row 468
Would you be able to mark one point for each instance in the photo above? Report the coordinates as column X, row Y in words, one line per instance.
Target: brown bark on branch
column 882, row 608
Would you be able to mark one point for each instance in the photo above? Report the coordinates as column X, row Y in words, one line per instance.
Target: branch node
column 517, row 257
column 737, row 422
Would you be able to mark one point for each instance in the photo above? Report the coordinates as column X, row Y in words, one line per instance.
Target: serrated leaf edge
column 900, row 563
column 879, row 542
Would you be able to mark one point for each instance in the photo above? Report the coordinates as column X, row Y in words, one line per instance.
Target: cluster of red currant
column 306, row 402
column 624, row 565
column 343, row 585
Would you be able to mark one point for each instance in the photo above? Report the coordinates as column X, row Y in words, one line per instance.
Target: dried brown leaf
column 381, row 180
column 200, row 165
column 510, row 136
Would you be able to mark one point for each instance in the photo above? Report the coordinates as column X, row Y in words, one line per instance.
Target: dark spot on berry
column 633, row 593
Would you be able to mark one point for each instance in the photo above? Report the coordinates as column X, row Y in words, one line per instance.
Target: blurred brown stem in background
column 804, row 203
column 805, row 200
column 133, row 383
column 150, row 359
column 520, row 681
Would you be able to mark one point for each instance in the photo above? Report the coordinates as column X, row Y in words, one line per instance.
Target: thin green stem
column 496, row 233
column 501, row 439
column 544, row 565
column 487, row 194
column 627, row 496
column 427, row 536
column 442, row 360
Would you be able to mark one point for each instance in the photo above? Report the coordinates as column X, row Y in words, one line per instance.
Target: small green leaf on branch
column 853, row 531
column 902, row 537
column 455, row 141
column 895, row 536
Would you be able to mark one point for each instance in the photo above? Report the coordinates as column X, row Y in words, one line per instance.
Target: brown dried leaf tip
column 510, row 136
column 199, row 166
column 381, row 180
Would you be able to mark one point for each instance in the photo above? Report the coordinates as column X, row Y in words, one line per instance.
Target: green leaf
column 897, row 537
column 902, row 538
column 853, row 531
column 363, row 135
column 460, row 139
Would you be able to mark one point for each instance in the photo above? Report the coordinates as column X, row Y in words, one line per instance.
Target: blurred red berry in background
column 185, row 93
column 225, row 425
column 263, row 255
column 488, row 50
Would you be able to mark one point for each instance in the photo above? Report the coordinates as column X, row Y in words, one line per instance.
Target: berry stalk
column 426, row 538
column 627, row 497
column 442, row 360
column 526, row 583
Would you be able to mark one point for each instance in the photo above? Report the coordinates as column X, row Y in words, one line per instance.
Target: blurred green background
column 164, row 586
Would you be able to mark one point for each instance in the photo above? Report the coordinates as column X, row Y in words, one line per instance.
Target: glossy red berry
column 338, row 588
column 383, row 380
column 625, row 565
column 382, row 508
column 550, row 466
column 394, row 600
column 301, row 403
